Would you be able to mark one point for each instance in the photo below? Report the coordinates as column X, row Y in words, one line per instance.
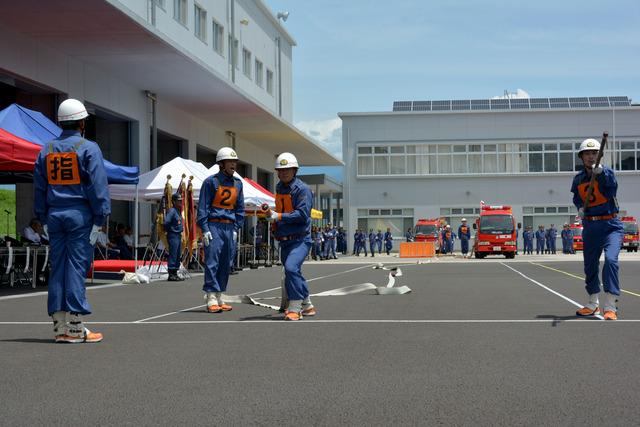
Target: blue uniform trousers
column 329, row 249
column 372, row 247
column 552, row 245
column 361, row 246
column 388, row 246
column 539, row 246
column 217, row 257
column 379, row 246
column 69, row 230
column 293, row 254
column 596, row 237
column 175, row 250
column 464, row 245
column 317, row 249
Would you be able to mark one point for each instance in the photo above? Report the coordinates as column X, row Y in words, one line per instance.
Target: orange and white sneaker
column 309, row 312
column 292, row 315
column 609, row 306
column 214, row 308
column 225, row 307
column 610, row 315
column 588, row 311
column 87, row 336
column 92, row 337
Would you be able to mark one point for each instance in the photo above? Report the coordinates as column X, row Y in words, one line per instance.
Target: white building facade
column 440, row 159
column 163, row 78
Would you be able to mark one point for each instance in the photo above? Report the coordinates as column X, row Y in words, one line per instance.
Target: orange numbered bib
column 463, row 230
column 597, row 198
column 225, row 198
column 284, row 204
column 62, row 169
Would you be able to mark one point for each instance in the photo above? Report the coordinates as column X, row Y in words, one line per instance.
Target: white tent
column 151, row 184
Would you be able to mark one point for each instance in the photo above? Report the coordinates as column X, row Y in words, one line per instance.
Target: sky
column 361, row 55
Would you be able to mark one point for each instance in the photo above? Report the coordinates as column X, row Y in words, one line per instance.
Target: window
column 218, row 38
column 551, row 161
column 233, row 51
column 398, row 220
column 259, row 72
column 180, row 11
column 269, row 82
column 199, row 22
column 246, row 62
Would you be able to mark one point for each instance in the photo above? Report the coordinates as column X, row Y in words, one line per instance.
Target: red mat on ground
column 116, row 265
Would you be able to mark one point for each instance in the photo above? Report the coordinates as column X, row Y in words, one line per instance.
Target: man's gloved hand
column 207, row 238
column 597, row 169
column 581, row 213
column 93, row 237
column 235, row 236
column 273, row 216
column 46, row 230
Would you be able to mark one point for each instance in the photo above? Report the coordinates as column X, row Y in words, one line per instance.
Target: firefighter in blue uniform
column 71, row 197
column 464, row 234
column 372, row 242
column 292, row 218
column 564, row 235
column 316, row 239
column 540, row 239
column 447, row 240
column 527, row 237
column 553, row 235
column 602, row 230
column 362, row 243
column 355, row 242
column 329, row 242
column 388, row 241
column 174, row 227
column 379, row 239
column 220, row 214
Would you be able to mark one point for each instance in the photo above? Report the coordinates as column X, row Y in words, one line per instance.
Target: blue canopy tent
column 35, row 127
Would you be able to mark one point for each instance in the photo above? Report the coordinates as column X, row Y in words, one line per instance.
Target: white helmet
column 226, row 153
column 71, row 110
column 463, row 219
column 286, row 161
column 589, row 144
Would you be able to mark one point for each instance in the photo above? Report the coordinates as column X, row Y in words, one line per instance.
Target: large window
column 218, row 38
column 476, row 159
column 259, row 72
column 200, row 22
column 180, row 11
column 398, row 220
column 246, row 62
column 269, row 82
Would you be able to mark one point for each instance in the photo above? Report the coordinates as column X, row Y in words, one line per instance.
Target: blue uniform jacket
column 56, row 181
column 221, row 197
column 372, row 238
column 527, row 236
column 294, row 202
column 388, row 237
column 173, row 221
column 464, row 233
column 540, row 235
column 553, row 233
column 603, row 200
column 566, row 233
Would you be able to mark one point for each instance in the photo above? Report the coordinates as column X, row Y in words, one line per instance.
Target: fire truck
column 429, row 230
column 576, row 230
column 495, row 232
column 630, row 241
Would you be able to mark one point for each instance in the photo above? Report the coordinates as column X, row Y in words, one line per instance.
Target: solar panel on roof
column 559, row 102
column 619, row 101
column 581, row 102
column 461, row 104
column 598, row 101
column 499, row 104
column 519, row 103
column 441, row 105
column 421, row 105
column 402, row 106
column 539, row 102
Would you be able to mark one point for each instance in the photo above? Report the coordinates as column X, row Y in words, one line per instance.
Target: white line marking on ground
column 343, row 321
column 549, row 289
column 254, row 293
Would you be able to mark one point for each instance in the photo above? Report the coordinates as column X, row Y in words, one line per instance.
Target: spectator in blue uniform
column 409, row 235
column 447, row 240
column 464, row 234
column 372, row 242
column 173, row 226
column 220, row 214
column 71, row 199
column 388, row 241
column 379, row 239
column 540, row 239
column 553, row 234
column 329, row 236
column 527, row 237
column 292, row 218
column 602, row 230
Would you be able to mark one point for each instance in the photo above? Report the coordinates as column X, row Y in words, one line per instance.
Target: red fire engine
column 576, row 230
column 495, row 232
column 428, row 230
column 630, row 241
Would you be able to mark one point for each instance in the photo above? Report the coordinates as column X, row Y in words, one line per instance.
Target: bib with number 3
column 597, row 198
column 225, row 198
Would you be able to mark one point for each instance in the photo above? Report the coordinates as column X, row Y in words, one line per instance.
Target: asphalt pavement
column 492, row 342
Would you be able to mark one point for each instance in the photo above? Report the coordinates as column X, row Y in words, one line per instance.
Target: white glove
column 235, row 236
column 581, row 213
column 94, row 234
column 206, row 238
column 597, row 169
column 46, row 230
column 273, row 216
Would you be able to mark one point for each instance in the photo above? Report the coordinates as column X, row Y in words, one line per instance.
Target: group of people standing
column 545, row 240
column 327, row 241
column 375, row 240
